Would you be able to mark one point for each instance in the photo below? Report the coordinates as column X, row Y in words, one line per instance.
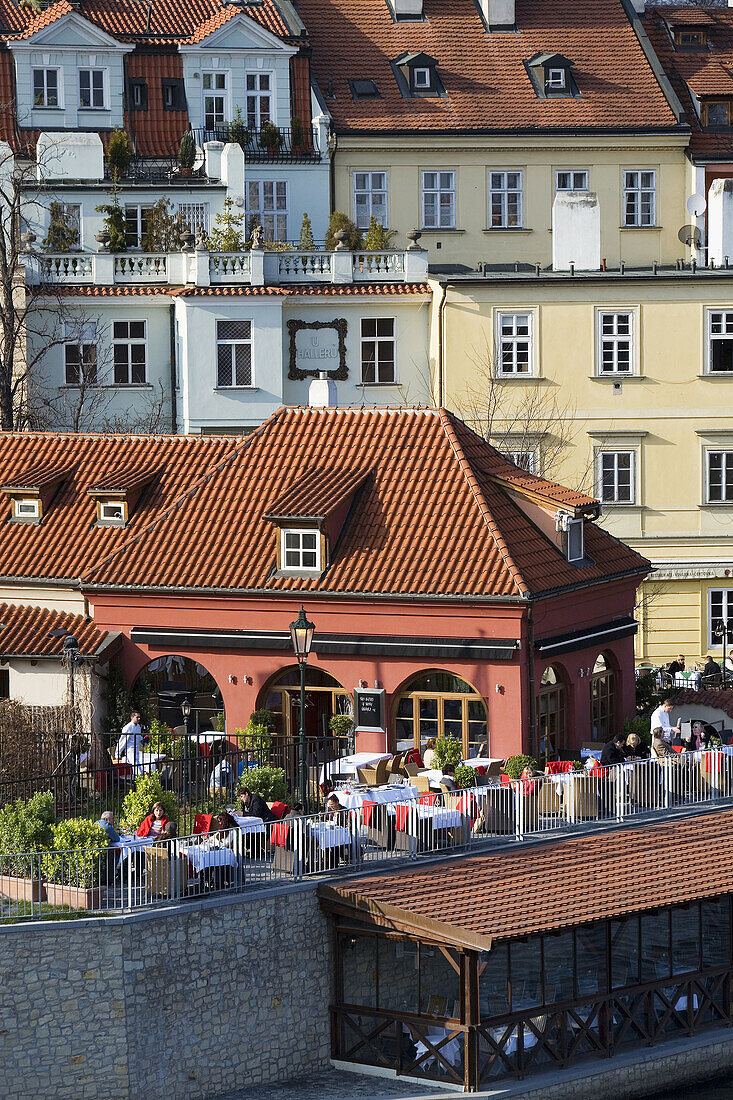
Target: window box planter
column 76, row 897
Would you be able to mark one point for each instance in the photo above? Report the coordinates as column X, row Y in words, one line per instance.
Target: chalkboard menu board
column 369, row 707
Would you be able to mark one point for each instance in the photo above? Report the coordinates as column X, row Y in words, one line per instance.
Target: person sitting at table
column 677, row 666
column 338, row 818
column 295, row 811
column 448, row 778
column 661, row 718
column 428, row 757
column 107, row 821
column 226, row 830
column 711, row 670
column 254, row 805
column 613, row 752
column 154, row 824
column 222, row 777
column 660, row 745
column 634, row 749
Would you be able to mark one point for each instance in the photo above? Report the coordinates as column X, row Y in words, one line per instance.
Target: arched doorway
column 434, row 703
column 603, row 690
column 551, row 737
column 324, row 697
column 174, row 673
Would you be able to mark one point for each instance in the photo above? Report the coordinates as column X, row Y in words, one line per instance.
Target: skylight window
column 364, row 89
column 421, row 78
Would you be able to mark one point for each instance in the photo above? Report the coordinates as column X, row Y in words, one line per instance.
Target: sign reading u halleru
column 317, row 348
column 369, row 710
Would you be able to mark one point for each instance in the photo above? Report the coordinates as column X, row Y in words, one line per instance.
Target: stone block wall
column 188, row 1002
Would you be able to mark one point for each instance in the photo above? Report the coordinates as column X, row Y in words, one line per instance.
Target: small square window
column 556, row 78
column 27, row 508
column 111, row 511
column 421, row 78
column 300, row 550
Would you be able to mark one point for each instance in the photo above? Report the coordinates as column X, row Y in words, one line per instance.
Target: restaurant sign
column 369, row 710
column 317, row 346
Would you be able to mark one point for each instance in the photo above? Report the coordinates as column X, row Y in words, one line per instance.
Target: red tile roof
column 312, row 291
column 707, row 71
column 484, row 74
column 430, row 520
column 706, row 697
column 68, row 541
column 318, row 493
column 542, row 887
column 155, row 131
column 26, row 632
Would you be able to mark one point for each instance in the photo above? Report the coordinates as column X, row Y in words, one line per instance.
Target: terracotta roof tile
column 318, row 493
column 155, row 131
column 68, row 541
column 312, row 291
column 552, row 885
column 720, row 700
column 25, row 631
column 428, row 521
column 484, row 74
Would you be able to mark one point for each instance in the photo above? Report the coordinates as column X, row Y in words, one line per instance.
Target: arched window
column 162, row 678
column 552, row 716
column 435, row 703
column 324, row 697
column 603, row 710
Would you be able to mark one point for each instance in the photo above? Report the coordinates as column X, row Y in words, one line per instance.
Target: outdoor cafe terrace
column 382, row 816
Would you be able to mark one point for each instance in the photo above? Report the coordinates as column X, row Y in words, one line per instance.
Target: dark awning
column 590, row 635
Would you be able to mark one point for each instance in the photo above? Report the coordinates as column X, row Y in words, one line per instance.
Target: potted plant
column 238, row 132
column 267, row 781
column 186, row 154
column 338, row 222
column 258, row 734
column 297, row 134
column 114, row 222
column 515, row 765
column 341, row 725
column 138, row 803
column 378, row 239
column 26, row 828
column 270, row 138
column 61, row 236
column 465, row 776
column 447, row 751
column 306, row 242
column 76, row 865
column 119, row 154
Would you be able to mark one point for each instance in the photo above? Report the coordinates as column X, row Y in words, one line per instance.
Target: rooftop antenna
column 690, row 235
column 696, row 205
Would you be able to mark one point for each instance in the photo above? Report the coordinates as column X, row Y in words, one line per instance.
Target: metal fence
column 373, row 829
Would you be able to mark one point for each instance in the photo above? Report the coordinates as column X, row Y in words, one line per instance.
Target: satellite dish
column 690, row 235
column 696, row 205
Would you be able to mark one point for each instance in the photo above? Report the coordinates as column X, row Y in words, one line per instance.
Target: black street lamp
column 186, row 712
column 72, row 658
column 721, row 630
column 301, row 632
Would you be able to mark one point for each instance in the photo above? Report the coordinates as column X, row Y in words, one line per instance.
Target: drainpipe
column 530, row 676
column 441, row 329
column 172, row 338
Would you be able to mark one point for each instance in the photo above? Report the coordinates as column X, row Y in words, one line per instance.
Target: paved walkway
column 335, row 1085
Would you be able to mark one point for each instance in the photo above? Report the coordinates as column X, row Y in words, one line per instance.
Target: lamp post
column 301, row 632
column 720, row 630
column 72, row 657
column 186, row 712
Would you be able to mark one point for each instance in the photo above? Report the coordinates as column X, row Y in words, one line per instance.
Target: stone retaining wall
column 187, row 1002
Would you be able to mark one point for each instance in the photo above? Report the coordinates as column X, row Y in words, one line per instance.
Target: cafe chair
column 281, row 839
column 374, row 776
column 202, row 824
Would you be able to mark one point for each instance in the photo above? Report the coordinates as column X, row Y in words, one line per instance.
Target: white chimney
column 720, row 221
column 406, row 9
column 499, row 13
column 212, row 159
column 322, row 392
column 576, row 231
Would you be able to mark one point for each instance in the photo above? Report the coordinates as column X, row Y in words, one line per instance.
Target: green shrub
column 187, row 152
column 336, row 223
column 139, row 802
column 227, row 234
column 447, row 751
column 377, row 237
column 270, row 136
column 515, row 765
column 26, row 824
column 341, row 725
column 466, row 776
column 119, row 153
column 238, row 132
column 87, row 841
column 297, row 131
column 220, row 725
column 178, row 749
column 61, row 236
column 267, row 781
column 639, row 726
column 161, row 737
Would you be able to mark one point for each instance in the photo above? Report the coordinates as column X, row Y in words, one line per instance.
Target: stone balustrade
column 201, row 268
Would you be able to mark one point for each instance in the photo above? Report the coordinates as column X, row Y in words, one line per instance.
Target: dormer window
column 364, row 89
column 421, row 78
column 690, row 39
column 27, row 508
column 551, row 76
column 716, row 113
column 300, row 550
column 417, row 75
column 556, row 79
column 116, row 496
column 111, row 513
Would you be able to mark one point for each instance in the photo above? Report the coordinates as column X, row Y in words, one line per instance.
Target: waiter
column 130, row 742
column 661, row 718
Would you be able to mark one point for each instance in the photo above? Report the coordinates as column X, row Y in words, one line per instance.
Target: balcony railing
column 202, row 268
column 253, row 142
column 157, row 170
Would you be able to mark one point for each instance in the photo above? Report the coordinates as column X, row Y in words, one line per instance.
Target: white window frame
column 272, row 217
column 525, row 460
column 135, row 209
column 711, row 338
column 553, row 81
column 195, row 215
column 215, row 93
column 32, row 506
column 233, row 342
column 504, row 193
column 367, row 208
column 514, row 339
column 129, row 342
column 106, row 506
column 254, row 116
column 572, row 172
column 726, row 612
column 726, row 487
column 615, row 453
column 299, row 532
column 46, row 69
column 574, row 527
column 633, row 186
column 438, row 190
column 424, row 81
column 376, row 341
column 614, row 340
column 104, row 106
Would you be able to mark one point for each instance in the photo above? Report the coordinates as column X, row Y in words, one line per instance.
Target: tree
column 377, row 237
column 338, row 222
column 61, row 236
column 114, row 220
column 306, row 242
column 227, row 234
column 119, row 154
column 163, row 228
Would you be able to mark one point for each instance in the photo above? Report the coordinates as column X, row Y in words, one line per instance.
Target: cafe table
column 393, row 792
column 205, row 855
column 250, row 825
column 348, row 765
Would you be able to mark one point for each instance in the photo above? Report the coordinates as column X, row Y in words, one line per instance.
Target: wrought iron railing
column 255, row 142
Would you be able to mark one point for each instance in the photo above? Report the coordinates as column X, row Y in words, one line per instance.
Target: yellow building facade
column 621, row 384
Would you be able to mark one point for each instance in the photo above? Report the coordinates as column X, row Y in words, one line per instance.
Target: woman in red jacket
column 154, row 823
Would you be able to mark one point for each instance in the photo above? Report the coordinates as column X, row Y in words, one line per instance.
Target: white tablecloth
column 347, row 765
column 441, row 816
column 129, row 844
column 483, row 761
column 395, row 792
column 450, row 1051
column 689, row 680
column 202, row 857
column 331, row 836
column 250, row 824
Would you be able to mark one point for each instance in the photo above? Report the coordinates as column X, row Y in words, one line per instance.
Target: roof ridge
column 212, row 472
column 446, row 421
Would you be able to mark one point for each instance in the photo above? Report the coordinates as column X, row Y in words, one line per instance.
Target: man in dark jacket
column 254, row 805
column 613, row 751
